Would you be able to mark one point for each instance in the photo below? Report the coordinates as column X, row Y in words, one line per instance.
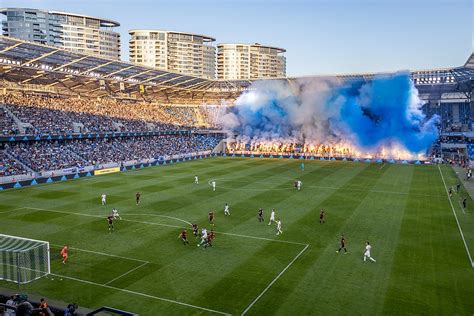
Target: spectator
column 11, row 302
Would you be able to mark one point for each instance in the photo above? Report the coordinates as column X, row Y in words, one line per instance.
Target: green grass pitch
column 422, row 262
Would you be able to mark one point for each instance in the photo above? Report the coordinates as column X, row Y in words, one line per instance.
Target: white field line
column 457, row 221
column 12, row 210
column 102, row 254
column 124, row 274
column 172, row 226
column 165, row 216
column 99, row 216
column 140, row 294
column 262, row 238
column 273, row 281
column 462, row 208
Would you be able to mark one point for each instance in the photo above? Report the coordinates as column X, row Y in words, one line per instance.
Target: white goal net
column 23, row 260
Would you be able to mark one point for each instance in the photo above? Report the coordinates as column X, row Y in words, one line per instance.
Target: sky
column 320, row 36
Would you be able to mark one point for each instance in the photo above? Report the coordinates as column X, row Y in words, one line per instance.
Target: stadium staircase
column 19, row 161
column 18, row 122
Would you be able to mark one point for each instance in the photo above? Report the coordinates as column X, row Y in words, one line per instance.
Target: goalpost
column 23, row 260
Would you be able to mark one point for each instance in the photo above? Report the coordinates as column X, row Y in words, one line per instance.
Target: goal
column 23, row 260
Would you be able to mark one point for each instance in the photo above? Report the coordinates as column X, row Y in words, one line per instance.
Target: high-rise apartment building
column 186, row 53
column 75, row 32
column 250, row 61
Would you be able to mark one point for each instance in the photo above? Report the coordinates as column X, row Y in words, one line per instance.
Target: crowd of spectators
column 52, row 114
column 43, row 156
column 212, row 115
column 7, row 124
column 20, row 305
column 55, row 155
column 10, row 167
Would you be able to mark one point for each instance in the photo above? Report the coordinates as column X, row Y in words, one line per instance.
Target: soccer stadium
column 128, row 189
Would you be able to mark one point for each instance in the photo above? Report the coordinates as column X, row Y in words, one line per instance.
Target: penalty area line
column 140, row 294
column 128, row 272
column 456, row 218
column 273, row 281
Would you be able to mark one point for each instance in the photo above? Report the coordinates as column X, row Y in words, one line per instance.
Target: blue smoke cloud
column 383, row 112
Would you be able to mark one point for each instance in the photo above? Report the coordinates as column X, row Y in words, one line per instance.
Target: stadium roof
column 30, row 63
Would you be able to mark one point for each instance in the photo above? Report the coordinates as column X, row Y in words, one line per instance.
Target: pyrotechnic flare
column 382, row 118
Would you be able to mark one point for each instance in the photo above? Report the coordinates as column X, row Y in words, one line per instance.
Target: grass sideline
column 422, row 265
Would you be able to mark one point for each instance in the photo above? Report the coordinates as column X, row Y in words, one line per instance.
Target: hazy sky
column 321, row 37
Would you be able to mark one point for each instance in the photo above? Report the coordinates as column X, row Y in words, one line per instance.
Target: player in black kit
column 343, row 245
column 260, row 215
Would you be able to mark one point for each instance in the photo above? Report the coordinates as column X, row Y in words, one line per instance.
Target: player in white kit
column 104, row 197
column 116, row 214
column 213, row 183
column 272, row 217
column 196, row 180
column 203, row 237
column 226, row 209
column 368, row 247
column 298, row 185
column 279, row 231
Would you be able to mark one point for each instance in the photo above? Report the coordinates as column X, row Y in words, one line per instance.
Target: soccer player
column 104, row 198
column 195, row 230
column 64, row 253
column 196, row 180
column 203, row 237
column 213, row 183
column 272, row 217
column 298, row 185
column 226, row 209
column 210, row 216
column 184, row 237
column 464, row 202
column 279, row 231
column 116, row 214
column 322, row 215
column 343, row 245
column 137, row 198
column 210, row 239
column 110, row 220
column 295, row 184
column 368, row 247
column 302, row 166
column 458, row 186
column 260, row 215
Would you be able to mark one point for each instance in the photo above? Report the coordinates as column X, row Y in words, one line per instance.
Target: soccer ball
column 199, row 245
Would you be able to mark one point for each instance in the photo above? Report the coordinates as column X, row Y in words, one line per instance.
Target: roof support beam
column 117, row 71
column 57, row 68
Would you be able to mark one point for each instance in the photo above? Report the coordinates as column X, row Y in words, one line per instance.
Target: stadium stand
column 9, row 166
column 52, row 114
column 55, row 155
column 7, row 124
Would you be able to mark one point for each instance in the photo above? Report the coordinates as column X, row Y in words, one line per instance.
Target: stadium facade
column 250, row 61
column 186, row 53
column 74, row 32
